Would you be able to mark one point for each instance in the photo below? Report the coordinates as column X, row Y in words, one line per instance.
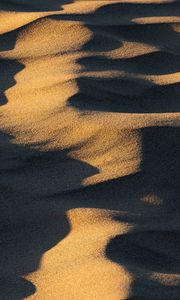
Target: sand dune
column 90, row 142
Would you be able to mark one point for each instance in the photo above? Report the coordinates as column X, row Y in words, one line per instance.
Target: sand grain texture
column 90, row 143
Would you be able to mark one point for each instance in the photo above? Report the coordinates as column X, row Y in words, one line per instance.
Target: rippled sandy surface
column 90, row 143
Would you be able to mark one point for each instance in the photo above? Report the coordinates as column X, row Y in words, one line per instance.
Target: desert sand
column 90, row 149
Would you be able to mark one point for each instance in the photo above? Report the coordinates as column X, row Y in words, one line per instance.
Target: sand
column 90, row 143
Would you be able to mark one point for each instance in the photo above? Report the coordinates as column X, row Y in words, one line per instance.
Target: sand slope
column 90, row 142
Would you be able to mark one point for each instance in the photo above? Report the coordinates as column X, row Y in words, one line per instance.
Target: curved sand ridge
column 90, row 145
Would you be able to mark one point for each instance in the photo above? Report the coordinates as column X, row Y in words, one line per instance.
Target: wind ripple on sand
column 90, row 140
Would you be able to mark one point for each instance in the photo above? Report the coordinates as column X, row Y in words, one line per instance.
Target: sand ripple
column 90, row 141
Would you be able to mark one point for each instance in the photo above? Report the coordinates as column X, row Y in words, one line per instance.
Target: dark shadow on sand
column 8, row 69
column 32, row 223
column 154, row 244
column 29, row 226
column 129, row 93
column 33, row 5
column 125, row 13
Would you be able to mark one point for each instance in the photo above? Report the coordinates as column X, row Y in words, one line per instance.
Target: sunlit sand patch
column 115, row 155
column 65, row 37
column 76, row 268
column 130, row 49
column 154, row 20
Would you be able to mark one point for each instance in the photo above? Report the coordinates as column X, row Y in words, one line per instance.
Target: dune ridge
column 90, row 141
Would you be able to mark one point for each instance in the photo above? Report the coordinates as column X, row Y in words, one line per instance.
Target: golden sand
column 90, row 142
